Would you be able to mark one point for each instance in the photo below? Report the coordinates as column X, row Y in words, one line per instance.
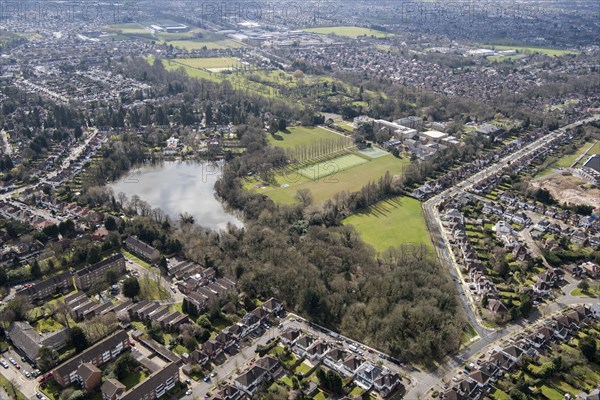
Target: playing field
column 373, row 152
column 348, row 31
column 135, row 29
column 209, row 62
column 391, row 223
column 301, row 135
column 331, row 167
column 538, row 50
column 349, row 180
column 209, row 44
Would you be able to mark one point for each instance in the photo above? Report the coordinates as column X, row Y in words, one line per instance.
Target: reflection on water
column 178, row 187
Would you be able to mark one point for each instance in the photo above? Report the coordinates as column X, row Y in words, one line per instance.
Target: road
column 487, row 337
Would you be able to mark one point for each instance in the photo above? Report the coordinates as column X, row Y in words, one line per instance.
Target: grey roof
column 28, row 340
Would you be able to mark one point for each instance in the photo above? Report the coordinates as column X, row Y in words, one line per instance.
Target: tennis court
column 331, row 167
column 373, row 152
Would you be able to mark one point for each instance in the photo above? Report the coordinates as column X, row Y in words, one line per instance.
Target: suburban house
column 249, row 381
column 98, row 354
column 85, row 278
column 142, row 249
column 591, row 269
column 112, row 389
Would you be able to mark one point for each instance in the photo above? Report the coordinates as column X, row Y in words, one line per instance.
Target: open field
column 390, row 223
column 331, row 167
column 570, row 189
column 534, row 50
column 210, row 62
column 196, row 44
column 348, row 31
column 568, row 159
column 133, row 29
column 350, row 180
column 595, row 149
column 300, row 135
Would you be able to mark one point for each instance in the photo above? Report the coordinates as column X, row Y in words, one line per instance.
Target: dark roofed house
column 228, row 392
column 95, row 273
column 89, row 376
column 98, row 354
column 41, row 290
column 156, row 385
column 29, row 341
column 248, row 382
column 142, row 249
column 112, row 389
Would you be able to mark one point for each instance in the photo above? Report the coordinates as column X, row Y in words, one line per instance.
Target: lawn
column 331, row 167
column 568, row 159
column 301, row 136
column 9, row 388
column 209, row 62
column 152, row 290
column 499, row 395
column 551, row 394
column 349, row 180
column 303, row 368
column 46, row 325
column 538, row 50
column 348, row 31
column 135, row 259
column 391, row 223
column 593, row 291
column 133, row 379
column 190, row 45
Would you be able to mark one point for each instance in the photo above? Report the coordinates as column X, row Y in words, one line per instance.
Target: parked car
column 12, row 361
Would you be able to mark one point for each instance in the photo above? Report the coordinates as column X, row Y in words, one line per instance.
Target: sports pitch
column 331, row 167
column 301, row 135
column 391, row 223
column 209, row 62
column 348, row 31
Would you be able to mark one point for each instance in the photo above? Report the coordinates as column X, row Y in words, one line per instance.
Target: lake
column 179, row 187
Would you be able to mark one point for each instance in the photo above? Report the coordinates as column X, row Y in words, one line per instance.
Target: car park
column 189, row 392
column 27, row 374
column 4, row 364
column 12, row 361
column 207, row 378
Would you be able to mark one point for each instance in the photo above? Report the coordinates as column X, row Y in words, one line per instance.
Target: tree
column 584, row 285
column 131, row 287
column 19, row 307
column 588, row 348
column 125, row 365
column 77, row 339
column 47, row 358
column 36, row 271
column 110, row 224
column 282, row 124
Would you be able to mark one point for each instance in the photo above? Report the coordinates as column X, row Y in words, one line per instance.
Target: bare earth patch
column 570, row 189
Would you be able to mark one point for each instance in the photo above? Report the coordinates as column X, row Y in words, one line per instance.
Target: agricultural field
column 390, row 223
column 286, row 184
column 348, row 31
column 296, row 136
column 535, row 50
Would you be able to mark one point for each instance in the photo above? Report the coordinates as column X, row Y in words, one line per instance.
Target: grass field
column 134, row 29
column 300, row 135
column 350, row 180
column 348, row 31
column 567, row 160
column 210, row 62
column 195, row 44
column 390, row 223
column 538, row 50
column 331, row 167
column 152, row 290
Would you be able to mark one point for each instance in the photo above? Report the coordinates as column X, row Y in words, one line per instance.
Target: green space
column 568, row 159
column 536, row 50
column 150, row 289
column 194, row 44
column 296, row 136
column 303, row 368
column 133, row 379
column 593, row 291
column 502, row 58
column 209, row 62
column 46, row 325
column 132, row 28
column 348, row 31
column 287, row 183
column 10, row 389
column 390, row 223
column 331, row 167
column 136, row 259
column 594, row 150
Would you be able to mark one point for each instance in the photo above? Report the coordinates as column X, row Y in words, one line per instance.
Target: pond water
column 179, row 187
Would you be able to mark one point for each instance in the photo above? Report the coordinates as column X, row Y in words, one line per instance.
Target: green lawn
column 331, row 167
column 301, row 136
column 210, row 62
column 348, row 31
column 349, row 180
column 538, row 50
column 152, row 290
column 593, row 291
column 46, row 325
column 551, row 394
column 499, row 395
column 303, row 368
column 391, row 223
column 133, row 379
column 568, row 159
